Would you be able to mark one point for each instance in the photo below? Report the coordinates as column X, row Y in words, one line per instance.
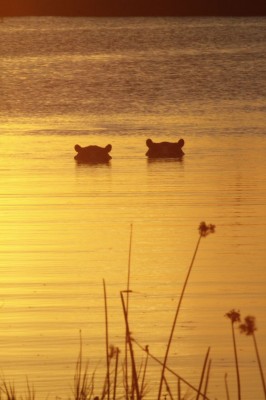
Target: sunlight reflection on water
column 65, row 227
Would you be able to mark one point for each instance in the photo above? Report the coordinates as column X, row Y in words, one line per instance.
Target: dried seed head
column 205, row 229
column 233, row 315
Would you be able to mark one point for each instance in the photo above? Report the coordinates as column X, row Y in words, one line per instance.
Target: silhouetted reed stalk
column 207, row 378
column 179, row 389
column 30, row 391
column 204, row 230
column 168, row 388
column 170, row 370
column 203, row 373
column 127, row 308
column 106, row 342
column 234, row 317
column 226, row 387
column 9, row 391
column 144, row 372
column 249, row 328
column 82, row 389
column 116, row 371
column 135, row 387
column 129, row 265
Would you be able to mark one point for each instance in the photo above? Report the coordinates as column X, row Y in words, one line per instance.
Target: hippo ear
column 149, row 142
column 108, row 148
column 77, row 148
column 181, row 143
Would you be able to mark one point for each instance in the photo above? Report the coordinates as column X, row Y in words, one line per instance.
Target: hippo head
column 165, row 149
column 93, row 154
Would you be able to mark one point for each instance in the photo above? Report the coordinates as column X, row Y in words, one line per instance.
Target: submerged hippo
column 93, row 154
column 165, row 149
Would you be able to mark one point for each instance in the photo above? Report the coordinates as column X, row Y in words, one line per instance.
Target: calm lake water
column 66, row 227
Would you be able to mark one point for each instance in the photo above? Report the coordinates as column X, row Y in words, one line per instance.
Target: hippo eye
column 149, row 142
column 108, row 148
column 77, row 148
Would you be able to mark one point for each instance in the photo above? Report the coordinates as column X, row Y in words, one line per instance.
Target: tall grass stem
column 116, row 372
column 175, row 318
column 106, row 342
column 226, row 387
column 236, row 361
column 133, row 364
column 259, row 364
column 207, row 379
column 127, row 307
column 203, row 373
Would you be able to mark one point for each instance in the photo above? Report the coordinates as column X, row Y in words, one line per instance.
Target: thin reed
column 83, row 384
column 204, row 230
column 234, row 317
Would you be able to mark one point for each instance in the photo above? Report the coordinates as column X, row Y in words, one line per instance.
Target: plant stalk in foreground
column 234, row 316
column 106, row 342
column 249, row 328
column 203, row 373
column 129, row 340
column 127, row 308
column 204, row 230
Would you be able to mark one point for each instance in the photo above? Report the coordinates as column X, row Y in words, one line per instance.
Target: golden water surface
column 66, row 227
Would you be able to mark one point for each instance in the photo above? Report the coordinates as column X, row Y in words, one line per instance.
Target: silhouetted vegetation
column 133, row 384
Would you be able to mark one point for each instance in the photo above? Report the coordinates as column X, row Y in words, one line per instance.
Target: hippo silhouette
column 93, row 154
column 165, row 149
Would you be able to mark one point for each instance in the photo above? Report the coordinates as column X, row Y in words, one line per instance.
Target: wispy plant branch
column 204, row 230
